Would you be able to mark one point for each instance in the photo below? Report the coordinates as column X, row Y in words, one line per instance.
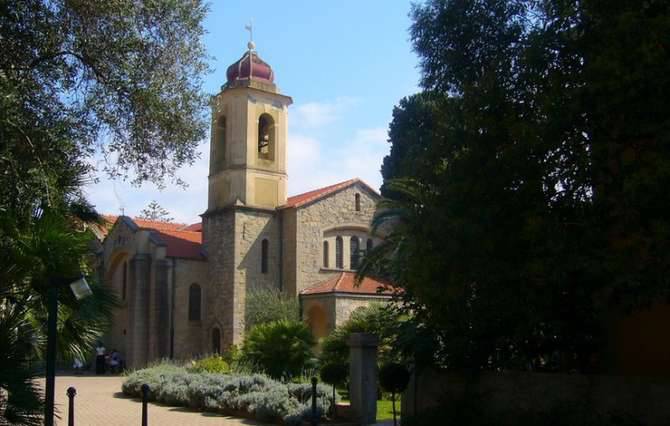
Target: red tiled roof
column 196, row 227
column 184, row 244
column 344, row 282
column 180, row 239
column 101, row 230
column 308, row 197
column 158, row 225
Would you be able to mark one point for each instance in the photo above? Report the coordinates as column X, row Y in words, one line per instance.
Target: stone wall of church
column 345, row 305
column 234, row 246
column 219, row 233
column 319, row 311
column 335, row 211
column 189, row 335
column 325, row 312
column 251, row 228
column 289, row 258
column 158, row 310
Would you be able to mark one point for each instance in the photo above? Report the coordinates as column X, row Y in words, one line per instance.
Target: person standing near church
column 100, row 358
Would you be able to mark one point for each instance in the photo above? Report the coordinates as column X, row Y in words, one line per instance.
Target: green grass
column 385, row 410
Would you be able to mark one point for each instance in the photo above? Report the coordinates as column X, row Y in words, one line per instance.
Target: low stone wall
column 646, row 398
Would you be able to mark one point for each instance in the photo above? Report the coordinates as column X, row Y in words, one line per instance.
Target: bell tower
column 247, row 182
column 248, row 142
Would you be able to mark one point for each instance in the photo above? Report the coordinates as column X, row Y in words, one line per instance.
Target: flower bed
column 254, row 396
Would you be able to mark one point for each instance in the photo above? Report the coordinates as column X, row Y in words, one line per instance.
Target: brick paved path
column 99, row 402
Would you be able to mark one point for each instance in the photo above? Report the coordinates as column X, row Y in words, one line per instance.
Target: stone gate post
column 363, row 376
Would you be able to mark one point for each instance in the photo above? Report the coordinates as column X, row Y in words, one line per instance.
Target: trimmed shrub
column 393, row 377
column 263, row 398
column 211, row 364
column 377, row 319
column 280, row 349
column 334, row 374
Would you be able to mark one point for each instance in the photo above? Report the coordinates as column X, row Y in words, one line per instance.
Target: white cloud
column 315, row 159
column 359, row 156
column 313, row 115
column 111, row 196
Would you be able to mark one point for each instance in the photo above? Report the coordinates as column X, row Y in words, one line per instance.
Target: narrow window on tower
column 266, row 137
column 194, row 302
column 339, row 256
column 354, row 249
column 357, row 199
column 220, row 142
column 124, row 283
column 216, row 340
column 326, row 254
column 368, row 245
column 264, row 256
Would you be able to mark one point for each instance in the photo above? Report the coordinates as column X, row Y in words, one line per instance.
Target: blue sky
column 344, row 63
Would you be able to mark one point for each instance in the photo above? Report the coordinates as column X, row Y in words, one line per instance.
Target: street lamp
column 80, row 288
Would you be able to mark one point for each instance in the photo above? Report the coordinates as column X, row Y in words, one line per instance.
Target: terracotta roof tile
column 158, row 225
column 196, row 227
column 184, row 244
column 308, row 197
column 181, row 240
column 344, row 282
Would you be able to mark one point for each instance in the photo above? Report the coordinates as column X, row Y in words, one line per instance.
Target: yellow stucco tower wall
column 242, row 170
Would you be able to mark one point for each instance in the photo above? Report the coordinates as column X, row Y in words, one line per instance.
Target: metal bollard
column 71, row 392
column 145, row 400
column 315, row 419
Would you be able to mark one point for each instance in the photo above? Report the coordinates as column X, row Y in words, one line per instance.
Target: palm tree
column 54, row 242
column 395, row 220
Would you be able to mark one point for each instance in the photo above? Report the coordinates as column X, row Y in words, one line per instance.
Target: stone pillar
column 160, row 319
column 138, row 312
column 363, row 377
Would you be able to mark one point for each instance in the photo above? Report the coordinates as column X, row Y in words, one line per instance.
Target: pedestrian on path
column 100, row 358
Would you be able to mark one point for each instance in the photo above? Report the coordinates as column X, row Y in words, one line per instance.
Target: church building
column 183, row 287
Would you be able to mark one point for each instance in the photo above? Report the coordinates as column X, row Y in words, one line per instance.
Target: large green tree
column 533, row 171
column 119, row 79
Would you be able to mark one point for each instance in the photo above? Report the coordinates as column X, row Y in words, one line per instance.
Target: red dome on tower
column 250, row 66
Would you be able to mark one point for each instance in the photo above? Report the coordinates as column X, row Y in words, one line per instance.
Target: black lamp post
column 81, row 290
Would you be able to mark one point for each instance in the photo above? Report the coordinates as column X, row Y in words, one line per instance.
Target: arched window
column 216, row 340
column 369, row 245
column 326, row 254
column 264, row 256
column 266, row 137
column 357, row 199
column 194, row 302
column 124, row 283
column 339, row 259
column 354, row 252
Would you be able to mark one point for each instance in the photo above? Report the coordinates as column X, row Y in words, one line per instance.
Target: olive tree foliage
column 120, row 76
column 527, row 182
column 264, row 305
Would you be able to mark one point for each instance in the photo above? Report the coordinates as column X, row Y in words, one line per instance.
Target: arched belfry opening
column 266, row 137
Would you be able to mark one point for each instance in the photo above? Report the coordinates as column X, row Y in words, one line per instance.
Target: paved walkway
column 99, row 401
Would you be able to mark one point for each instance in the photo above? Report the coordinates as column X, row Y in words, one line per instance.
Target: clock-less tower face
column 248, row 139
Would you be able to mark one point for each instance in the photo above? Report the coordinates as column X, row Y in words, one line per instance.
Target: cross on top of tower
column 250, row 27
